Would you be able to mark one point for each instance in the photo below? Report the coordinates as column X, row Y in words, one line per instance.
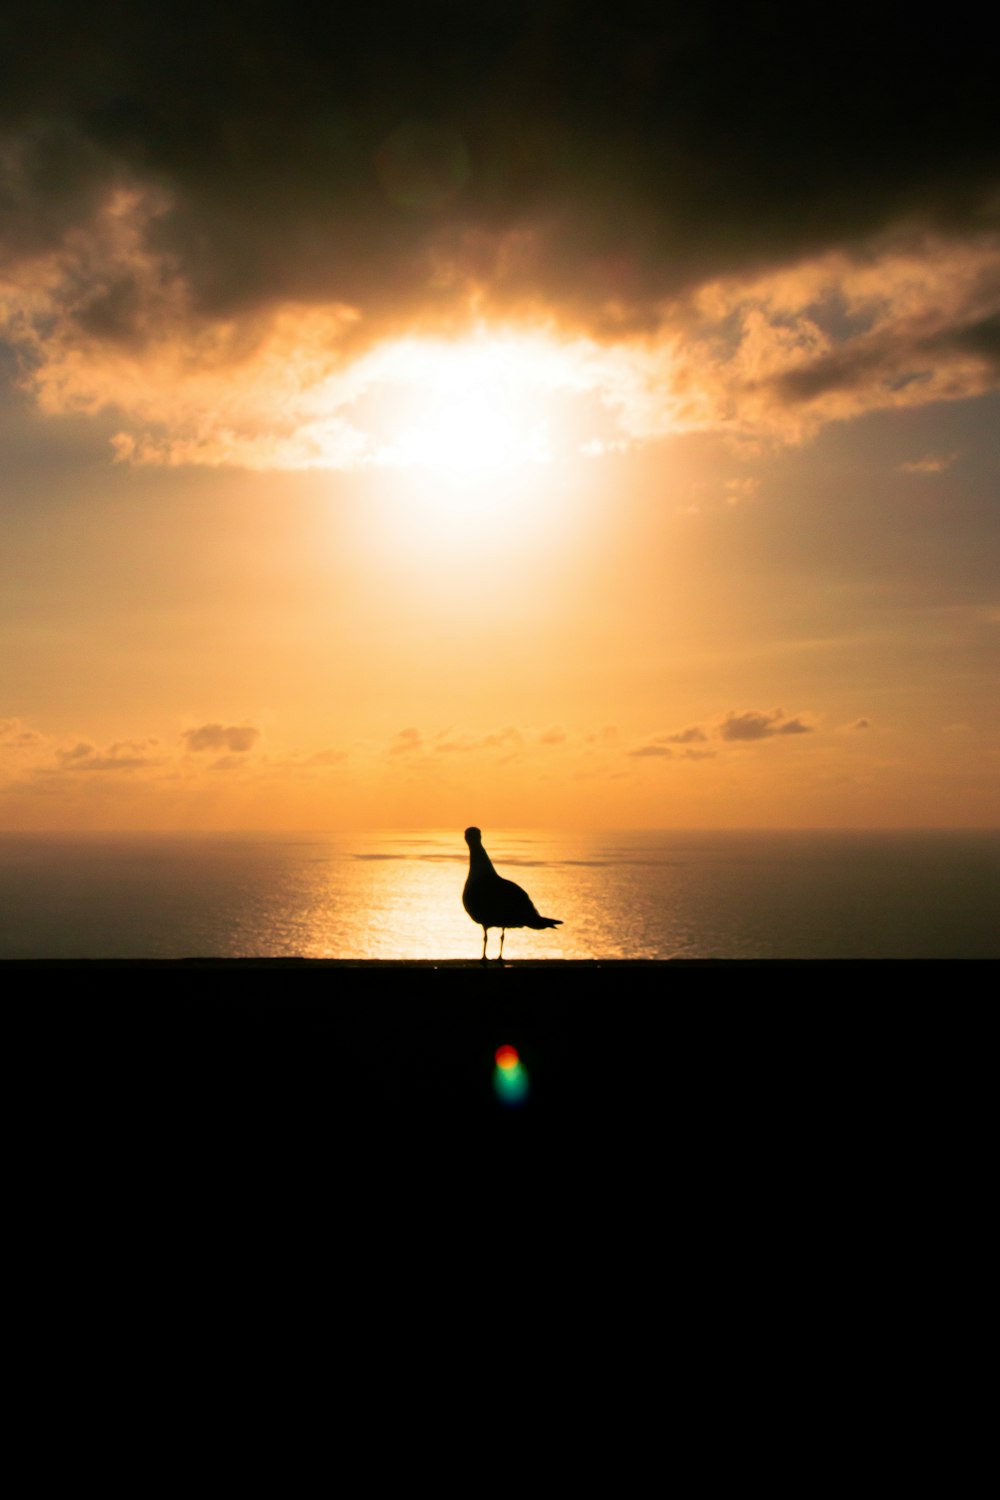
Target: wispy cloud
column 122, row 755
column 26, row 752
column 406, row 741
column 738, row 490
column 27, row 755
column 469, row 743
column 932, row 464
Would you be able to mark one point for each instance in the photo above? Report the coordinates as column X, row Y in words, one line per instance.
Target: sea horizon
column 395, row 894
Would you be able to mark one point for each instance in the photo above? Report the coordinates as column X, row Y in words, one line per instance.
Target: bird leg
column 485, row 932
column 503, row 934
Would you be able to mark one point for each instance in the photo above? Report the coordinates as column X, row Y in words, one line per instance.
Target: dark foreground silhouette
column 494, row 902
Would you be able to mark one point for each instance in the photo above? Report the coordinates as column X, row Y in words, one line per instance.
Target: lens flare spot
column 422, row 166
column 510, row 1078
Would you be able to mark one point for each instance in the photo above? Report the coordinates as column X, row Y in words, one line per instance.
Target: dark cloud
column 894, row 358
column 760, row 726
column 599, row 157
column 981, row 338
column 238, row 738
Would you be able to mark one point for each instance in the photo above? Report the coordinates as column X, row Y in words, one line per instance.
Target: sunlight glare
column 468, row 406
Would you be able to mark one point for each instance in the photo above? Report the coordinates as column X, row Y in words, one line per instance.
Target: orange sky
column 510, row 512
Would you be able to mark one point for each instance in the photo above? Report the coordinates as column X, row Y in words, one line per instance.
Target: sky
column 563, row 415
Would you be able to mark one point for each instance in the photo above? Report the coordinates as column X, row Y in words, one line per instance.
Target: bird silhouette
column 494, row 902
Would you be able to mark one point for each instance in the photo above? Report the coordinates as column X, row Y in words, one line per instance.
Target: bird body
column 494, row 902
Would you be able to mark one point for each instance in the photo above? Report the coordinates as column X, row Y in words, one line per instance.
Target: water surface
column 660, row 895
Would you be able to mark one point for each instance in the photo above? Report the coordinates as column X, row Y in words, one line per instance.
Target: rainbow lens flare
column 510, row 1079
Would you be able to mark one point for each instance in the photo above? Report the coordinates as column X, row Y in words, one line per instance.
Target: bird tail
column 545, row 922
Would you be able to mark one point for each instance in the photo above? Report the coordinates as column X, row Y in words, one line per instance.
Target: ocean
column 639, row 895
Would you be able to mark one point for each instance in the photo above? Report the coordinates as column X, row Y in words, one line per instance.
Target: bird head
column 473, row 837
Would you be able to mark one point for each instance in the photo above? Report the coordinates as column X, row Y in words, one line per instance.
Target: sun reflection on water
column 399, row 896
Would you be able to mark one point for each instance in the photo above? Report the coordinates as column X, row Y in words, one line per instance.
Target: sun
column 466, row 432
column 469, row 406
column 471, row 443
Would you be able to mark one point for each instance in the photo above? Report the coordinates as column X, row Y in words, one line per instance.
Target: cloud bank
column 743, row 222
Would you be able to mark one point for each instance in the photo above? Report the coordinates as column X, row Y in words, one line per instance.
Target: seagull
column 494, row 902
